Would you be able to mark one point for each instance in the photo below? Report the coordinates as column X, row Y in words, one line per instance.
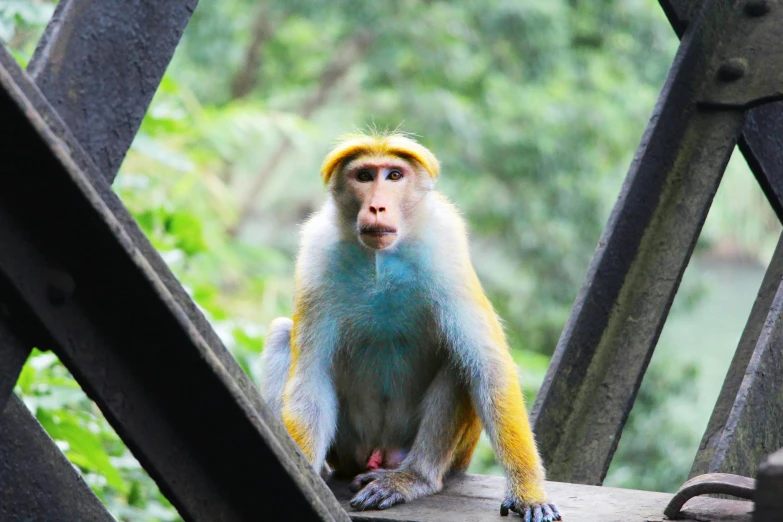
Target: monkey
column 394, row 358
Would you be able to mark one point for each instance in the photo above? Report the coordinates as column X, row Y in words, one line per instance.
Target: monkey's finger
column 538, row 515
column 362, row 480
column 366, row 498
column 505, row 506
column 377, row 496
column 549, row 515
column 555, row 512
column 394, row 498
column 527, row 514
column 360, row 499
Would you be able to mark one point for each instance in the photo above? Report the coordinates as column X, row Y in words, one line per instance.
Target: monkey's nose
column 376, row 210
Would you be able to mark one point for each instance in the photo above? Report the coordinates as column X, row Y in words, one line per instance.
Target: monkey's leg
column 446, row 412
column 276, row 362
column 497, row 397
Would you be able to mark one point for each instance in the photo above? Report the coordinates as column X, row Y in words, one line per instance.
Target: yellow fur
column 517, row 448
column 298, row 430
column 393, row 144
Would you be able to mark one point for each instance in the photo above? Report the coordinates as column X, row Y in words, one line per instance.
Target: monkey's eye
column 364, row 176
column 394, row 175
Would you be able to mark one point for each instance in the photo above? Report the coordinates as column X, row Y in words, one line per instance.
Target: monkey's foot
column 530, row 512
column 382, row 489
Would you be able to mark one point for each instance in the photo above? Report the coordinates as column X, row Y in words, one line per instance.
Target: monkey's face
column 379, row 192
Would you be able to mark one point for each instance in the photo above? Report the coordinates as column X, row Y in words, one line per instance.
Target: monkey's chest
column 388, row 353
column 384, row 299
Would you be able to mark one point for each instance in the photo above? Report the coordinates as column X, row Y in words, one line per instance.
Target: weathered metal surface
column 721, row 429
column 710, row 484
column 609, row 338
column 762, row 136
column 14, row 349
column 762, row 144
column 477, row 498
column 37, row 481
column 745, row 71
column 748, row 418
column 769, row 490
column 680, row 13
column 13, row 354
column 158, row 373
column 84, row 162
column 100, row 63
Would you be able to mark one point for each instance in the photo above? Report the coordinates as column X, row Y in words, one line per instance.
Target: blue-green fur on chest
column 385, row 310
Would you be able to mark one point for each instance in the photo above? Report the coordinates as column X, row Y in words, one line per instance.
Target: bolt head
column 732, row 69
column 60, row 286
column 757, row 7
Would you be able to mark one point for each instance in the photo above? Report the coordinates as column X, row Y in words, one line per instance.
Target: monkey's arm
column 309, row 399
column 478, row 346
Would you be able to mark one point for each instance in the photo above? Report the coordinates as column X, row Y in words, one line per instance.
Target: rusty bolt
column 732, row 69
column 59, row 287
column 757, row 7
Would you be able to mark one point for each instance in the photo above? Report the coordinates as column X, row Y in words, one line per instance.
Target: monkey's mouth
column 377, row 230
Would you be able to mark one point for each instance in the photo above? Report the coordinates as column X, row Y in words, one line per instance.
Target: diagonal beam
column 37, row 481
column 745, row 422
column 747, row 419
column 83, row 64
column 99, row 65
column 157, row 374
column 620, row 310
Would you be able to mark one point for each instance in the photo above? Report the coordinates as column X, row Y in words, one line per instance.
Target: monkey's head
column 377, row 182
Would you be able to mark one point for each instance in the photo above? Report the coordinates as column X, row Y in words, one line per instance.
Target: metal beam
column 755, row 367
column 729, row 432
column 761, row 141
column 99, row 65
column 160, row 377
column 620, row 310
column 37, row 481
column 747, row 418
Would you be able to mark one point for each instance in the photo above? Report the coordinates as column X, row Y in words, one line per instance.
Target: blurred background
column 535, row 110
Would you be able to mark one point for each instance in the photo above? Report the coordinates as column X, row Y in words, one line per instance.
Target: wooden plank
column 477, row 498
column 620, row 310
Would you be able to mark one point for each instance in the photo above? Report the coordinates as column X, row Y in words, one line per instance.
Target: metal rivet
column 60, row 286
column 757, row 7
column 732, row 69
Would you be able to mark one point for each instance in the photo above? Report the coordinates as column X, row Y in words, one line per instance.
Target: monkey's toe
column 365, row 478
column 376, row 496
column 530, row 512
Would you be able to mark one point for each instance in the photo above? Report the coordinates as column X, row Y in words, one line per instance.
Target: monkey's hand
column 530, row 512
column 383, row 488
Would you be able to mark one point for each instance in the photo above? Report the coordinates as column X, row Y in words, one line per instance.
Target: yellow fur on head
column 391, row 144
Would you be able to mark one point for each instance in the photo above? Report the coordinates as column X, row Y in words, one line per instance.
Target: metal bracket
column 710, row 484
column 747, row 69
